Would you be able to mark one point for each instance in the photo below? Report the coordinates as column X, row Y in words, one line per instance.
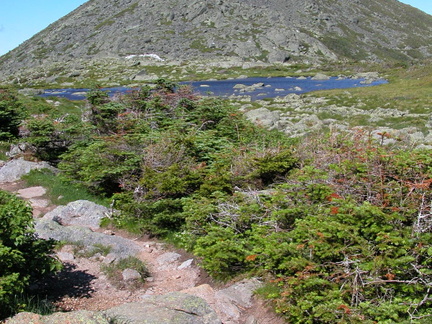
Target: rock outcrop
column 166, row 309
column 297, row 116
column 120, row 247
column 81, row 212
column 171, row 308
column 15, row 169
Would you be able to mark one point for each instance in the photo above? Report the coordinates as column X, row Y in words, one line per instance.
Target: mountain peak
column 249, row 30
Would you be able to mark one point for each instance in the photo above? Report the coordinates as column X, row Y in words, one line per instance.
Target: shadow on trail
column 69, row 282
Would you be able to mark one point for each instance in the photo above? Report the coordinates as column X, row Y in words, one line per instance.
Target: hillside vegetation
column 337, row 224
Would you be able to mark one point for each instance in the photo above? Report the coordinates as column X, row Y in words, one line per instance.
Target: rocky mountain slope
column 247, row 30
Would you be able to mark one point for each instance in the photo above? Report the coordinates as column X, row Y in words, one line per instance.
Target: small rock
column 39, row 203
column 109, row 258
column 185, row 265
column 320, row 76
column 97, row 257
column 131, row 275
column 168, row 258
column 20, row 149
column 65, row 256
column 251, row 320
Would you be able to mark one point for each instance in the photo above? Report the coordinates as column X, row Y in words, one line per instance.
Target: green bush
column 11, row 114
column 100, row 165
column 339, row 223
column 24, row 258
column 274, row 165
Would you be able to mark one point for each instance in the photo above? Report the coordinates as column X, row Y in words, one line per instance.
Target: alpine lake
column 256, row 87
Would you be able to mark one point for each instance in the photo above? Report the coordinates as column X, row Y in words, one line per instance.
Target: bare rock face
column 120, row 247
column 81, row 212
column 166, row 309
column 171, row 308
column 78, row 317
column 167, row 260
column 264, row 117
column 131, row 275
column 228, row 302
column 15, row 169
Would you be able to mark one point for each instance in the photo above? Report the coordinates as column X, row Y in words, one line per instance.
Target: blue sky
column 21, row 19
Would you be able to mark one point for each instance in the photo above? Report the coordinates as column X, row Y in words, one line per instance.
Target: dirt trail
column 83, row 286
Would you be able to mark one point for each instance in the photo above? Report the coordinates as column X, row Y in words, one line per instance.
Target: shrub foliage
column 11, row 114
column 338, row 224
column 23, row 256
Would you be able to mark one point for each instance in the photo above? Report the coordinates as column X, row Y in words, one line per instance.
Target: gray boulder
column 19, row 149
column 30, row 91
column 228, row 302
column 120, row 247
column 278, row 57
column 320, row 76
column 77, row 317
column 131, row 275
column 15, row 169
column 168, row 260
column 241, row 293
column 264, row 117
column 306, row 125
column 80, row 212
column 171, row 308
column 186, row 264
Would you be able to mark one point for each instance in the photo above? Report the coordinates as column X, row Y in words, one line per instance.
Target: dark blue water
column 273, row 87
column 269, row 88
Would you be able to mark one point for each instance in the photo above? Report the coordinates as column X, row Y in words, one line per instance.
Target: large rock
column 15, row 169
column 228, row 302
column 168, row 260
column 80, row 212
column 77, row 317
column 241, row 293
column 320, row 76
column 120, row 247
column 31, row 192
column 264, row 117
column 171, row 308
column 19, row 149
